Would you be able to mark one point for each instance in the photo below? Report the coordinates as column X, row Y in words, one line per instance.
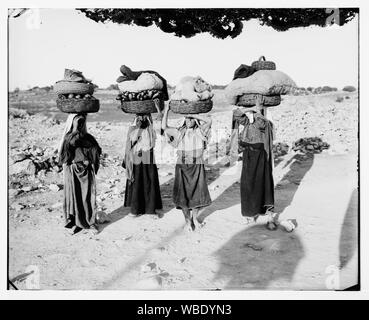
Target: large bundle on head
column 192, row 95
column 75, row 93
column 270, row 84
column 139, row 89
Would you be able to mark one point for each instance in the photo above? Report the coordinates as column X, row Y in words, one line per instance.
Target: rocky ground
column 149, row 253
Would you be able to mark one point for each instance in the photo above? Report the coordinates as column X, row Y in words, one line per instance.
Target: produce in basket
column 137, row 95
column 74, row 93
column 77, row 103
column 192, row 89
column 140, row 96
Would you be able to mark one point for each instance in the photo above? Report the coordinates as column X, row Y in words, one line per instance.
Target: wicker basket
column 191, row 107
column 78, row 105
column 141, row 107
column 67, row 87
column 249, row 100
column 262, row 64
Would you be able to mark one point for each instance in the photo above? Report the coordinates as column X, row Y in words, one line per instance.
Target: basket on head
column 249, row 100
column 191, row 107
column 67, row 87
column 262, row 64
column 75, row 105
column 141, row 107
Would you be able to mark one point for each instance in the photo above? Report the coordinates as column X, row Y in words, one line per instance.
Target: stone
column 54, row 187
column 13, row 192
column 28, row 188
column 151, row 283
column 19, row 157
column 31, row 168
column 57, row 205
column 17, row 206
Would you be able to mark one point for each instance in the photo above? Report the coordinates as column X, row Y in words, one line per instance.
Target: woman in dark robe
column 142, row 187
column 190, row 190
column 79, row 153
column 256, row 144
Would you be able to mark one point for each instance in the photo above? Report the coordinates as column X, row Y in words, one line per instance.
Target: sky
column 44, row 42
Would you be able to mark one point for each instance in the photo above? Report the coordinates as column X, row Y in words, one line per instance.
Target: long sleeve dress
column 79, row 181
column 190, row 188
column 255, row 143
column 142, row 187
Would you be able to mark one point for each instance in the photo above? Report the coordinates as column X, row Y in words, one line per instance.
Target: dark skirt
column 190, row 188
column 143, row 194
column 257, row 186
column 79, row 195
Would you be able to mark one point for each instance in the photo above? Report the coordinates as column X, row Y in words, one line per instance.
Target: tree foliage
column 220, row 23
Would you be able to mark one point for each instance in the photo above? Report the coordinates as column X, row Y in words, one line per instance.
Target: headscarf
column 138, row 139
column 70, row 126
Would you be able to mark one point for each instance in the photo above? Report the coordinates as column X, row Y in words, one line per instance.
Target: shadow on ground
column 166, row 191
column 349, row 237
column 256, row 258
column 286, row 189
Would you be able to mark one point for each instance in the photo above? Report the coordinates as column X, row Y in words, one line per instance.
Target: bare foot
column 188, row 227
column 94, row 230
column 197, row 224
column 249, row 220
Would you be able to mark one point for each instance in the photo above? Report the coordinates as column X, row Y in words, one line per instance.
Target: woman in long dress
column 256, row 144
column 190, row 191
column 142, row 187
column 79, row 153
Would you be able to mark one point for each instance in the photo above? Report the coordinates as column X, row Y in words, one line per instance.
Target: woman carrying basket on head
column 142, row 188
column 79, row 153
column 190, row 191
column 256, row 144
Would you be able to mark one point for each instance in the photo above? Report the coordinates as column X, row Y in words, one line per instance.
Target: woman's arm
column 170, row 132
column 160, row 115
column 164, row 122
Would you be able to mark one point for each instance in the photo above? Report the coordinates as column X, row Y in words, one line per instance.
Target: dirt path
column 148, row 253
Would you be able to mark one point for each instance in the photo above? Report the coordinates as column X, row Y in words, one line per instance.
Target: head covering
column 68, row 129
column 138, row 139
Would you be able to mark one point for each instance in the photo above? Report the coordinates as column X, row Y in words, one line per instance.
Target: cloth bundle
column 146, row 81
column 141, row 85
column 264, row 82
column 192, row 89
